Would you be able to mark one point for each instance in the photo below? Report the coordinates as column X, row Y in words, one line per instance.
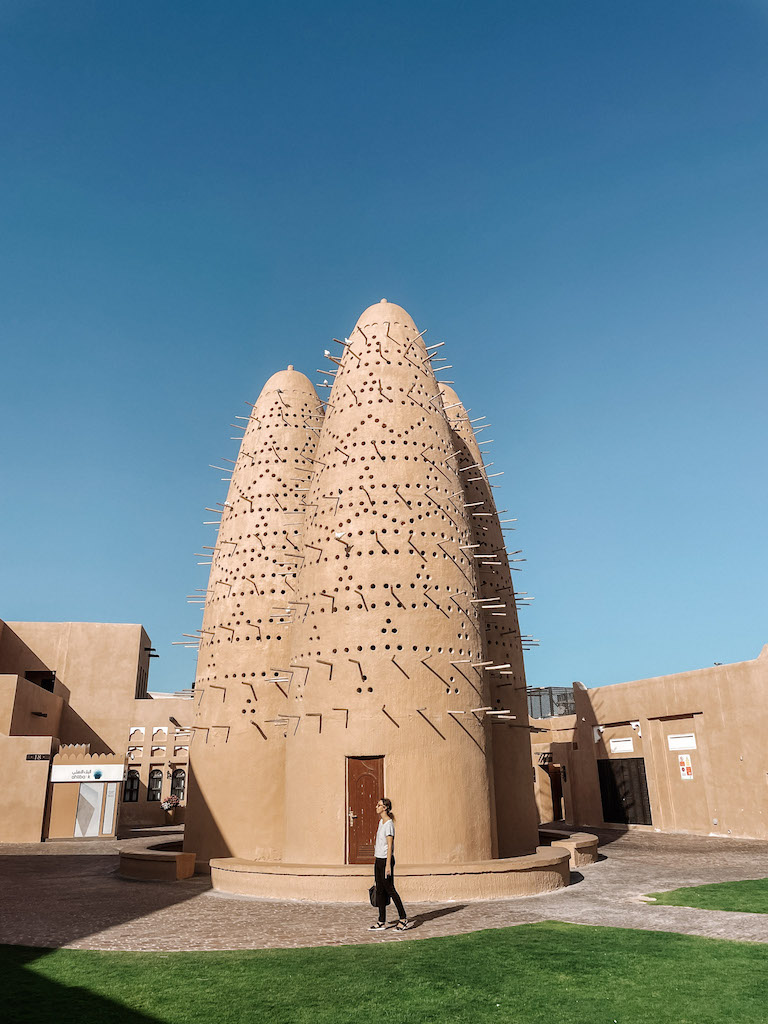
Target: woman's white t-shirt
column 386, row 828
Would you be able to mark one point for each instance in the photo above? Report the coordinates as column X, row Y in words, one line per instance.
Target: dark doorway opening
column 624, row 791
column 556, row 785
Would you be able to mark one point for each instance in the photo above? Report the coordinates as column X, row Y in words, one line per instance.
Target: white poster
column 686, row 771
column 622, row 745
column 88, row 814
column 682, row 741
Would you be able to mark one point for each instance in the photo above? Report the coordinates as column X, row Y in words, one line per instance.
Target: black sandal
column 377, row 927
column 402, row 925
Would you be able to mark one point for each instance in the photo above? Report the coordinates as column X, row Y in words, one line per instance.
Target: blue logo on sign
column 97, row 775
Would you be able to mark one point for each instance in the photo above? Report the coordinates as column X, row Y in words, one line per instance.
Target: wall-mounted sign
column 686, row 770
column 38, row 757
column 682, row 741
column 622, row 745
column 87, row 773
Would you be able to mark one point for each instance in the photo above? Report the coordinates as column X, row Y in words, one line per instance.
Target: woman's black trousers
column 386, row 887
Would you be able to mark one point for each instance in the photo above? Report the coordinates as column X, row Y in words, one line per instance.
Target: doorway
column 95, row 811
column 556, row 785
column 624, row 791
column 365, row 784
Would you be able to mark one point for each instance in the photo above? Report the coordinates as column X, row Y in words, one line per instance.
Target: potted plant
column 169, row 805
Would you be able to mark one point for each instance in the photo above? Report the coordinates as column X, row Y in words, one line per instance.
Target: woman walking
column 384, row 867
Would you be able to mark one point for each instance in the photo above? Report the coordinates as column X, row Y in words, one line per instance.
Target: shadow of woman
column 432, row 915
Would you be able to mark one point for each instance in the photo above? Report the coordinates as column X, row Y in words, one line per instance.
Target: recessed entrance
column 556, row 786
column 96, row 806
column 365, row 784
column 624, row 791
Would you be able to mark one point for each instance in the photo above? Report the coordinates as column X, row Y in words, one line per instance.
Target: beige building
column 677, row 753
column 85, row 749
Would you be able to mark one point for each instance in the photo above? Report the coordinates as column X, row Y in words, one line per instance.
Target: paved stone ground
column 68, row 895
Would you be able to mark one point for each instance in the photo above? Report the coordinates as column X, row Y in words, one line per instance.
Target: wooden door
column 365, row 784
column 556, row 785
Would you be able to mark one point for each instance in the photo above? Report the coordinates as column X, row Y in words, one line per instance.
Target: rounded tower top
column 289, row 380
column 450, row 398
column 384, row 311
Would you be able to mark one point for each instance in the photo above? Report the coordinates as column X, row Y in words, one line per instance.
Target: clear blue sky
column 573, row 196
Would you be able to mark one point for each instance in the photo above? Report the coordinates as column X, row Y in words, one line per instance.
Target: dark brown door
column 365, row 784
column 556, row 784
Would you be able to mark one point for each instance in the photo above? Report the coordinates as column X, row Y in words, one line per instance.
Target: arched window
column 131, row 787
column 155, row 785
column 178, row 783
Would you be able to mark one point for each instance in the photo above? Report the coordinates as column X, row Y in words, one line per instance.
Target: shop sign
column 87, row 773
column 686, row 770
column 38, row 757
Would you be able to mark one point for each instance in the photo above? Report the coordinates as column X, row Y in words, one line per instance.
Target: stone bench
column 156, row 865
column 545, row 870
column 582, row 846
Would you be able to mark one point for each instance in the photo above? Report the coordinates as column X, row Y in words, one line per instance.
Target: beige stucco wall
column 23, row 793
column 97, row 669
column 23, row 733
column 725, row 707
column 28, row 710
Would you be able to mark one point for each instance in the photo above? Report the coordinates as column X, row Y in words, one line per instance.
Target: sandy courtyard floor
column 69, row 895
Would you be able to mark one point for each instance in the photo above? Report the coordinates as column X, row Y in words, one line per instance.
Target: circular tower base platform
column 543, row 871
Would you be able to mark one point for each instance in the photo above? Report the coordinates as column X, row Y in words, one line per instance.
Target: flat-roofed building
column 677, row 753
column 85, row 748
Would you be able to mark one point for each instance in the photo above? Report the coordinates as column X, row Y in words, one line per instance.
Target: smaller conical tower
column 237, row 755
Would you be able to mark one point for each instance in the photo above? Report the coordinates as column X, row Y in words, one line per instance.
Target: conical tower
column 516, row 820
column 237, row 755
column 389, row 658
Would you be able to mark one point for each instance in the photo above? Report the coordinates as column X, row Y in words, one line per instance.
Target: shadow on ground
column 29, row 996
column 432, row 915
column 61, row 886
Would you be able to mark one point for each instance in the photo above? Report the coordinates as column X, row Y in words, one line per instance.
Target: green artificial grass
column 750, row 896
column 548, row 973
